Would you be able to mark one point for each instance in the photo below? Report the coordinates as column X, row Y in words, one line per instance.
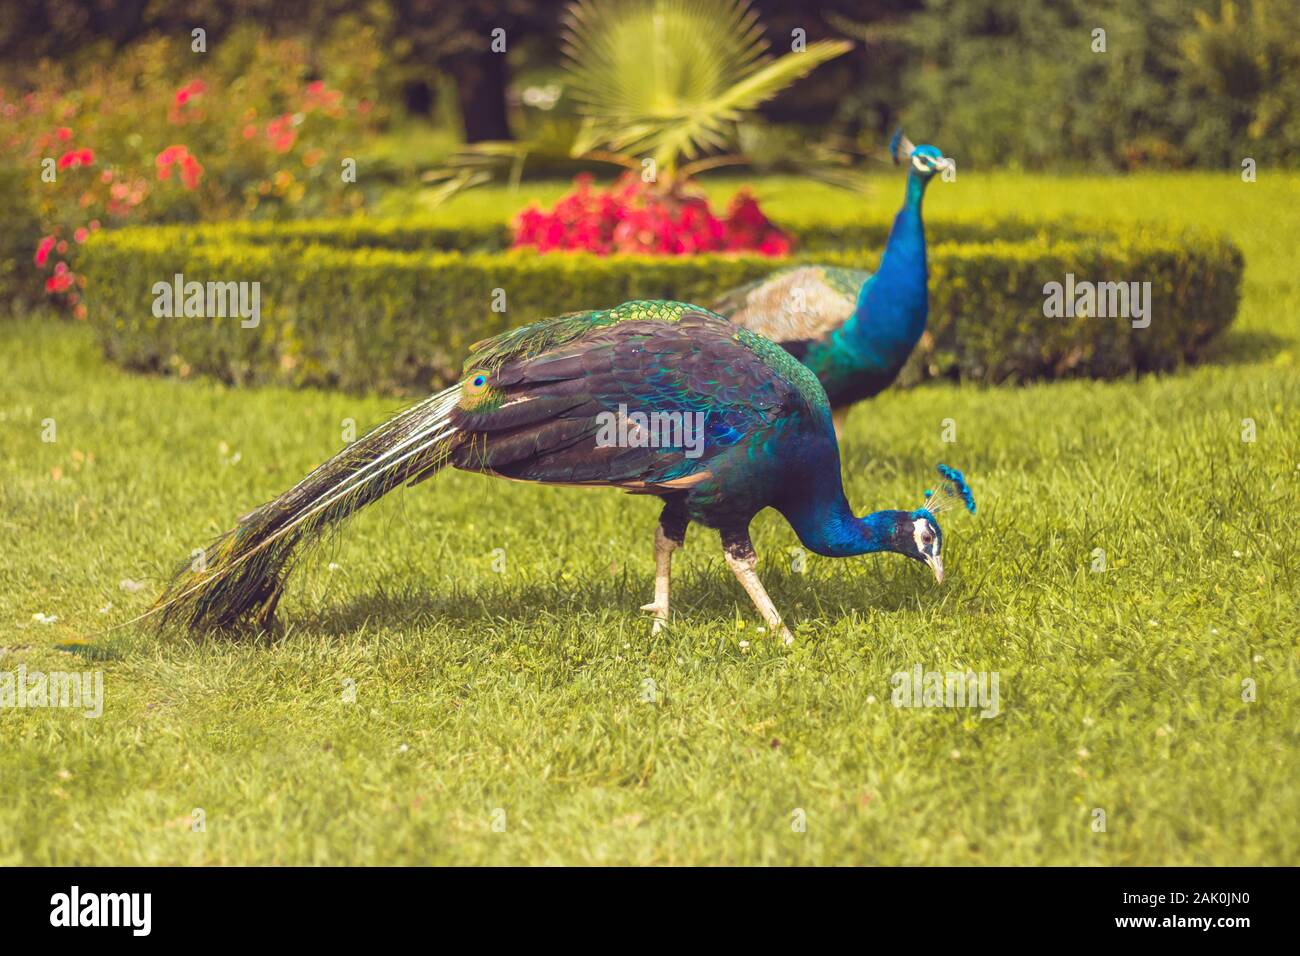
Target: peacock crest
column 953, row 492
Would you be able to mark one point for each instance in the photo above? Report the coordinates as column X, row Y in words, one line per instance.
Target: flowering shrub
column 161, row 135
column 633, row 216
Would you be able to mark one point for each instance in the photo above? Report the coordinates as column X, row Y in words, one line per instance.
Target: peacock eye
column 927, row 538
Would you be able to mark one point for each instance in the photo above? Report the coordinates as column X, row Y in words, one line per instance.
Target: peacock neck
column 826, row 525
column 892, row 305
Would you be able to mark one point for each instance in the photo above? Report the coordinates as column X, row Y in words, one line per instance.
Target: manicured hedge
column 364, row 305
column 462, row 232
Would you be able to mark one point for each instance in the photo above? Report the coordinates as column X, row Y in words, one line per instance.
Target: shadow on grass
column 1242, row 347
column 701, row 597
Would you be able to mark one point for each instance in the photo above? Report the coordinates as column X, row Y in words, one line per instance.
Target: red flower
column 74, row 158
column 43, row 249
column 191, row 172
column 170, row 155
column 63, row 133
column 190, row 168
column 634, row 217
column 189, row 91
column 280, row 132
column 81, row 235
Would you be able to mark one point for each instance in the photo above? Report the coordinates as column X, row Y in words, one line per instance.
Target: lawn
column 464, row 676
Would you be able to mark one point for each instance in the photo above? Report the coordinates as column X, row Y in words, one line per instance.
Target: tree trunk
column 481, row 79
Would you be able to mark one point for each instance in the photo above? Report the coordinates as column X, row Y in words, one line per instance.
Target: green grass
column 522, row 690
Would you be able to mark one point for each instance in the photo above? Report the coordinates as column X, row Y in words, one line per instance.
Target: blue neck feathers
column 825, row 524
column 892, row 304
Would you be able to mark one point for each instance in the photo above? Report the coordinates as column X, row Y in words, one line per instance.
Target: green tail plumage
column 240, row 576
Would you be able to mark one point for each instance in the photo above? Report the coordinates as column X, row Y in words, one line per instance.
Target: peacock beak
column 935, row 561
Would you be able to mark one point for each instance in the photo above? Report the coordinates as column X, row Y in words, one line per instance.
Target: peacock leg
column 742, row 560
column 669, row 536
column 838, row 418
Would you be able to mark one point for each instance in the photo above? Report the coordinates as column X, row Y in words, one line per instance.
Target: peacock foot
column 660, row 611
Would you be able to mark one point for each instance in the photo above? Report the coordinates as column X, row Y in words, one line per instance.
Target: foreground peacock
column 575, row 400
column 854, row 329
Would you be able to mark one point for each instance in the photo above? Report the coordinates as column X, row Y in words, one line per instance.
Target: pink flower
column 190, row 168
column 189, row 91
column 74, row 158
column 43, row 249
column 191, row 172
column 634, row 217
column 81, row 235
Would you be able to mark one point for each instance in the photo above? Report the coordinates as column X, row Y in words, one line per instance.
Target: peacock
column 853, row 328
column 581, row 399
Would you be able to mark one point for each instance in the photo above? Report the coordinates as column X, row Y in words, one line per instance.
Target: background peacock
column 532, row 406
column 854, row 329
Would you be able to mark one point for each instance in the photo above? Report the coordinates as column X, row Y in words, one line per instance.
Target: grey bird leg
column 742, row 560
column 669, row 536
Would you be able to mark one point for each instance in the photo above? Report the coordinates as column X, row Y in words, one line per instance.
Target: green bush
column 20, row 230
column 364, row 305
column 817, row 228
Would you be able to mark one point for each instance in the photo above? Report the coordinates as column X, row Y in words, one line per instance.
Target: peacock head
column 918, row 534
column 924, row 161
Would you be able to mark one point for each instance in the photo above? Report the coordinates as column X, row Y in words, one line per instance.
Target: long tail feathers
column 240, row 576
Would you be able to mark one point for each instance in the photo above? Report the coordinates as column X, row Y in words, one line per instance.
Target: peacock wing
column 800, row 304
column 546, row 334
column 642, row 403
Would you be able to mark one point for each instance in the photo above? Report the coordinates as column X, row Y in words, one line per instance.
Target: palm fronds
column 670, row 79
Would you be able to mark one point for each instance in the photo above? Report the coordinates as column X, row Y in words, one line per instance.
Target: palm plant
column 671, row 80
column 667, row 81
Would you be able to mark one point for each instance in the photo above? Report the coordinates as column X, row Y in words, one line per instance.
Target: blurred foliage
column 1010, row 83
column 156, row 134
column 1180, row 82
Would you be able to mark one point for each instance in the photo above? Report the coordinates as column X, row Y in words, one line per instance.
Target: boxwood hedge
column 392, row 306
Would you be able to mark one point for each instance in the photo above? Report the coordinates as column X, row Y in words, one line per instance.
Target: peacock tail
column 242, row 572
